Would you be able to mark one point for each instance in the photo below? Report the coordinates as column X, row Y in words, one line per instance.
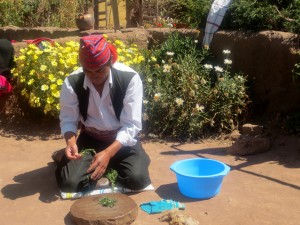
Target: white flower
column 163, row 61
column 157, row 96
column 145, row 102
column 196, row 41
column 227, row 61
column 145, row 117
column 208, row 66
column 170, row 53
column 226, row 52
column 218, row 69
column 239, row 77
column 149, row 80
column 199, row 108
column 167, row 68
column 179, row 101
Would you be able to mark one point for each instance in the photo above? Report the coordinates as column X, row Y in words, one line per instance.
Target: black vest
column 121, row 80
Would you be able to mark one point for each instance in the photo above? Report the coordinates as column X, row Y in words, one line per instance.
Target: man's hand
column 101, row 160
column 71, row 150
column 99, row 165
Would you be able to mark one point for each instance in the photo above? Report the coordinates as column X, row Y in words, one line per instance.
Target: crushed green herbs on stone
column 108, row 202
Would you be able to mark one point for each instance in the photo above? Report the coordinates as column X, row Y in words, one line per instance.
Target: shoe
column 58, row 155
column 103, row 182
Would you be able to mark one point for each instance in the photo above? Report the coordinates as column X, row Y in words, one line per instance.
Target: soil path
column 260, row 189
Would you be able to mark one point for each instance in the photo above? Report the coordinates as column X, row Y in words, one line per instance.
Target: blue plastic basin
column 199, row 178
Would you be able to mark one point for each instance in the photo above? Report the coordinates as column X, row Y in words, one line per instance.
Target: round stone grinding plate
column 88, row 210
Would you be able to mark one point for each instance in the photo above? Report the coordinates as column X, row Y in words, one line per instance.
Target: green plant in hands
column 112, row 177
column 87, row 151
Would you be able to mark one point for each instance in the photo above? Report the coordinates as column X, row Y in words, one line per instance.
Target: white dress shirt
column 101, row 114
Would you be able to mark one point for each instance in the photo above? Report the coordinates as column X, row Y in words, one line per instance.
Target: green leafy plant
column 191, row 12
column 265, row 14
column 112, row 177
column 192, row 95
column 108, row 202
column 296, row 69
column 37, row 13
column 87, row 151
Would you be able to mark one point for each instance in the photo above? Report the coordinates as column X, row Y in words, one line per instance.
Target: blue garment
column 160, row 206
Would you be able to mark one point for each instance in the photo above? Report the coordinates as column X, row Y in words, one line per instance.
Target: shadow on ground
column 17, row 120
column 41, row 180
column 284, row 151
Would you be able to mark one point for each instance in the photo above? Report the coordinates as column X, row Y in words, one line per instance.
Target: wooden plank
column 114, row 5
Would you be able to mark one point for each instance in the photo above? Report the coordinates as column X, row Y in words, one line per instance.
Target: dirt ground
column 260, row 189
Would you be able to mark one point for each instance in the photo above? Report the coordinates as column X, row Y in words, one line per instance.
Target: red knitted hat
column 95, row 52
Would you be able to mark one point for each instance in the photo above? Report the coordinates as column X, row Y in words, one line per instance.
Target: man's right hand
column 72, row 152
column 71, row 149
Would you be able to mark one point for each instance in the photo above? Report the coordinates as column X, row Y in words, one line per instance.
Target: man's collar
column 87, row 81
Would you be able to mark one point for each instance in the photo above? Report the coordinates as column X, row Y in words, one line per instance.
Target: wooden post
column 114, row 5
column 141, row 2
column 96, row 16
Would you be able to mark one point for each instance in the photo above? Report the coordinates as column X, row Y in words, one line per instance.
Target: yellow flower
column 44, row 87
column 56, row 94
column 43, row 67
column 22, row 57
column 52, row 78
column 30, row 82
column 60, row 82
column 53, row 63
column 48, row 107
column 32, row 72
column 153, row 59
column 50, row 100
column 53, row 86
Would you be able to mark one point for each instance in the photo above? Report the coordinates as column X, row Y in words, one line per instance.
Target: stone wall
column 267, row 58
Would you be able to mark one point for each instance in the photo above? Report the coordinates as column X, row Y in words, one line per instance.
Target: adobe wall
column 267, row 58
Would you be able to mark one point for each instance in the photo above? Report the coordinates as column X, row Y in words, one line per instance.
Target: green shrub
column 192, row 12
column 37, row 13
column 39, row 74
column 265, row 14
column 296, row 69
column 184, row 98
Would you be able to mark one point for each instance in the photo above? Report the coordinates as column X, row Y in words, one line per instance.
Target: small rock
column 249, row 145
column 252, row 130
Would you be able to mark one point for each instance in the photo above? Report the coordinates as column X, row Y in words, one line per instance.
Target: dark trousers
column 131, row 163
